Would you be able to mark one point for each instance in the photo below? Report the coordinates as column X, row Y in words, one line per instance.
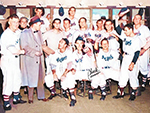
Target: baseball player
column 144, row 33
column 87, row 34
column 68, row 32
column 51, row 39
column 84, row 62
column 60, row 63
column 108, row 61
column 129, row 67
column 109, row 29
column 10, row 66
column 73, row 19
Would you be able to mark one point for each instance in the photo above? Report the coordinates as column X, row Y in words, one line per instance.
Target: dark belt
column 126, row 53
column 85, row 69
column 106, row 67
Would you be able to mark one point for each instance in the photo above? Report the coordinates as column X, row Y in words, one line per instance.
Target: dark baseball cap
column 34, row 20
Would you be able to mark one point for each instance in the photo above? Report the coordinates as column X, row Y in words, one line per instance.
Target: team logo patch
column 79, row 60
column 107, row 58
column 61, row 59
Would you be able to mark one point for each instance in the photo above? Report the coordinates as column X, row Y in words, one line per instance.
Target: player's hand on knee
column 73, row 71
column 131, row 66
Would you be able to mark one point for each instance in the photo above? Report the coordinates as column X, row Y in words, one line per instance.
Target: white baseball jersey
column 143, row 33
column 59, row 62
column 69, row 35
column 130, row 46
column 10, row 62
column 113, row 43
column 108, row 64
column 74, row 23
column 82, row 63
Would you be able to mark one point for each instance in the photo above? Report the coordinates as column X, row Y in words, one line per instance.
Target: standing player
column 45, row 23
column 129, row 67
column 61, row 63
column 143, row 32
column 85, row 33
column 68, row 32
column 10, row 66
column 51, row 39
column 73, row 19
column 109, row 29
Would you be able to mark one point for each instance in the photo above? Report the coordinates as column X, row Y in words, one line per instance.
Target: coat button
column 37, row 62
column 36, row 46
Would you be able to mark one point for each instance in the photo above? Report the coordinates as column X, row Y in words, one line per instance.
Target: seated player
column 60, row 63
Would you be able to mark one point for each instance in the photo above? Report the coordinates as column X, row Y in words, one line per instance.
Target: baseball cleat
column 118, row 96
column 72, row 103
column 90, row 95
column 132, row 97
column 52, row 96
column 103, row 97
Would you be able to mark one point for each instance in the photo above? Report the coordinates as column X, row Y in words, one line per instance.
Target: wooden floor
column 84, row 105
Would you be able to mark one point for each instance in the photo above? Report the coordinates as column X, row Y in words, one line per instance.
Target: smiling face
column 82, row 23
column 39, row 12
column 127, row 31
column 108, row 26
column 56, row 24
column 66, row 24
column 105, row 45
column 23, row 23
column 99, row 24
column 79, row 45
column 72, row 12
column 62, row 44
column 13, row 24
column 137, row 19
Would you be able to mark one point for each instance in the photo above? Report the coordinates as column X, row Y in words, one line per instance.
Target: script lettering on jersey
column 61, row 59
column 127, row 42
column 69, row 35
column 87, row 35
column 79, row 60
column 107, row 58
column 97, row 35
column 138, row 33
column 73, row 24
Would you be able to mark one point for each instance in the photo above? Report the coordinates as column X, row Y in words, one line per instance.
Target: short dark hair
column 12, row 16
column 66, row 41
column 23, row 18
column 104, row 39
column 107, row 20
column 130, row 26
column 71, row 8
column 41, row 8
column 80, row 20
column 54, row 22
column 66, row 19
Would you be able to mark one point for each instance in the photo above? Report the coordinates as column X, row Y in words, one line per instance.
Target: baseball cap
column 34, row 20
column 123, row 11
column 2, row 10
column 79, row 38
column 61, row 11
